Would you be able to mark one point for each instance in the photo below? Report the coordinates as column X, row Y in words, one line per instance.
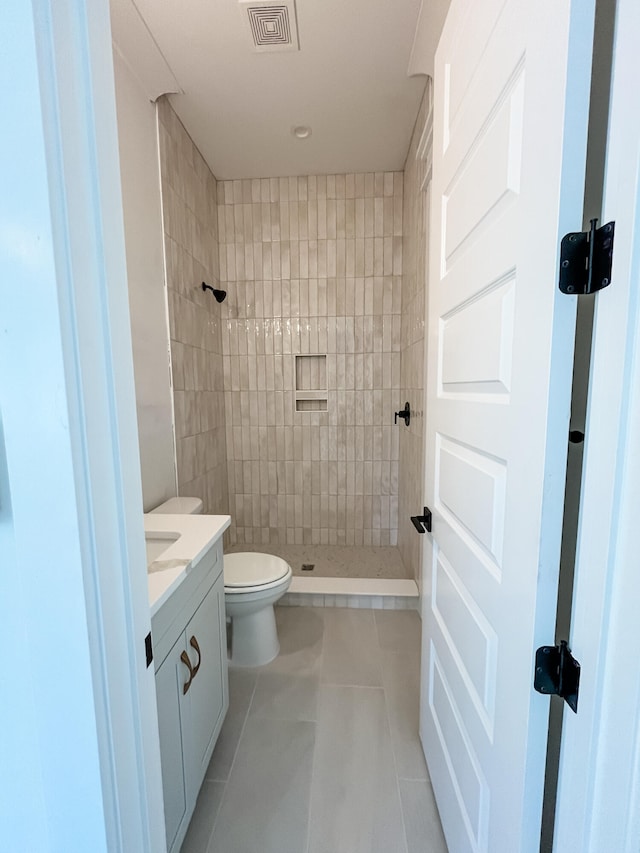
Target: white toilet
column 253, row 582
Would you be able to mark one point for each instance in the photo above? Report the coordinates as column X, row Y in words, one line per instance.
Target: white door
column 511, row 86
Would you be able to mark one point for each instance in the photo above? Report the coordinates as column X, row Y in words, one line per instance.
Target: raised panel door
column 207, row 696
column 169, row 680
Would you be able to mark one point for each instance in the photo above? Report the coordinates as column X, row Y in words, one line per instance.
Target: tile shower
column 305, row 362
column 189, row 208
column 312, row 266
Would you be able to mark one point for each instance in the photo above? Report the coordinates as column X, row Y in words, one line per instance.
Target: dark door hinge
column 148, row 649
column 585, row 259
column 558, row 673
column 422, row 523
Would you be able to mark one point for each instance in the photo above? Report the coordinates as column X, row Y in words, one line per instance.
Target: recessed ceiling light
column 302, row 131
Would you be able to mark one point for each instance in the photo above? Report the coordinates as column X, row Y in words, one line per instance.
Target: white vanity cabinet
column 190, row 652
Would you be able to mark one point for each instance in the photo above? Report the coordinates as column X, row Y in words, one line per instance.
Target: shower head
column 220, row 295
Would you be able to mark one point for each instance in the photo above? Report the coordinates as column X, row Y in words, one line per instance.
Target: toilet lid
column 250, row 568
column 180, row 506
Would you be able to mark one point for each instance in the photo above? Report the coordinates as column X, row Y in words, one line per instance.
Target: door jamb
column 600, row 751
column 69, row 306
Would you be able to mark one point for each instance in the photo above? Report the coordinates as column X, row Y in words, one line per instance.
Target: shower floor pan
column 344, row 576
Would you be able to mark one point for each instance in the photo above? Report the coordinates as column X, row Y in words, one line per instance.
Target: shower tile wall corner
column 312, row 265
column 414, row 291
column 189, row 205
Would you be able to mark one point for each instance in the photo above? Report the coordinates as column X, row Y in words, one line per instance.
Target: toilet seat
column 249, row 571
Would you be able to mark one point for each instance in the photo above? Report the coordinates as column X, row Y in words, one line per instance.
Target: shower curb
column 371, row 593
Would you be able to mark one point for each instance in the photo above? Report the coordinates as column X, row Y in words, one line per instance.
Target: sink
column 157, row 544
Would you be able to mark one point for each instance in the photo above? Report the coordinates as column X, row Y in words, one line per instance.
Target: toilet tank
column 180, row 506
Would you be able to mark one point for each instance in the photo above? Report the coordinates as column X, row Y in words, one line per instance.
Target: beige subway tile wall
column 312, row 265
column 412, row 357
column 189, row 204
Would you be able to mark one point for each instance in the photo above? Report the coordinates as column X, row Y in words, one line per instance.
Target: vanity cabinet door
column 207, row 695
column 190, row 721
column 170, row 678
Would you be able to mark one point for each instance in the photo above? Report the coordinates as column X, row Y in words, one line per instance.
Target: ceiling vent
column 273, row 26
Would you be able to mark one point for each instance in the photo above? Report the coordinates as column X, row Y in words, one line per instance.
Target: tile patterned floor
column 319, row 752
column 337, row 561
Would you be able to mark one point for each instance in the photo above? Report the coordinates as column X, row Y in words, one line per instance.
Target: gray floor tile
column 398, row 630
column 204, row 815
column 265, row 807
column 300, row 631
column 401, row 680
column 422, row 822
column 241, row 686
column 363, row 736
column 286, row 696
column 355, row 803
column 351, row 651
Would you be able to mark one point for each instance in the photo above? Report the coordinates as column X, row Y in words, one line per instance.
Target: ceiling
column 348, row 82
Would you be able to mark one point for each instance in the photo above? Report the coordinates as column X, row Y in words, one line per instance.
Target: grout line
column 315, row 740
column 379, row 657
column 393, row 749
column 395, row 764
column 375, row 621
column 233, row 762
column 215, row 820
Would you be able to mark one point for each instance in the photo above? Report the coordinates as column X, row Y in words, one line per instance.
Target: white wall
column 137, row 133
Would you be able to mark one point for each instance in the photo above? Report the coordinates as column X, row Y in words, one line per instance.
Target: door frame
column 79, row 141
column 82, row 762
column 599, row 778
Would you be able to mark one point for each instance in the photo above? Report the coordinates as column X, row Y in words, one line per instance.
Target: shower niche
column 311, row 383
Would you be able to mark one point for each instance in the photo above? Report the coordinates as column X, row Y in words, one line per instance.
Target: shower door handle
column 422, row 523
column 405, row 414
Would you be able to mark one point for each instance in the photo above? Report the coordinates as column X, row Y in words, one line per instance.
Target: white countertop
column 197, row 534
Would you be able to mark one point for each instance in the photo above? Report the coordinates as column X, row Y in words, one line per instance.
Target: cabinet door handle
column 194, row 645
column 184, row 657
